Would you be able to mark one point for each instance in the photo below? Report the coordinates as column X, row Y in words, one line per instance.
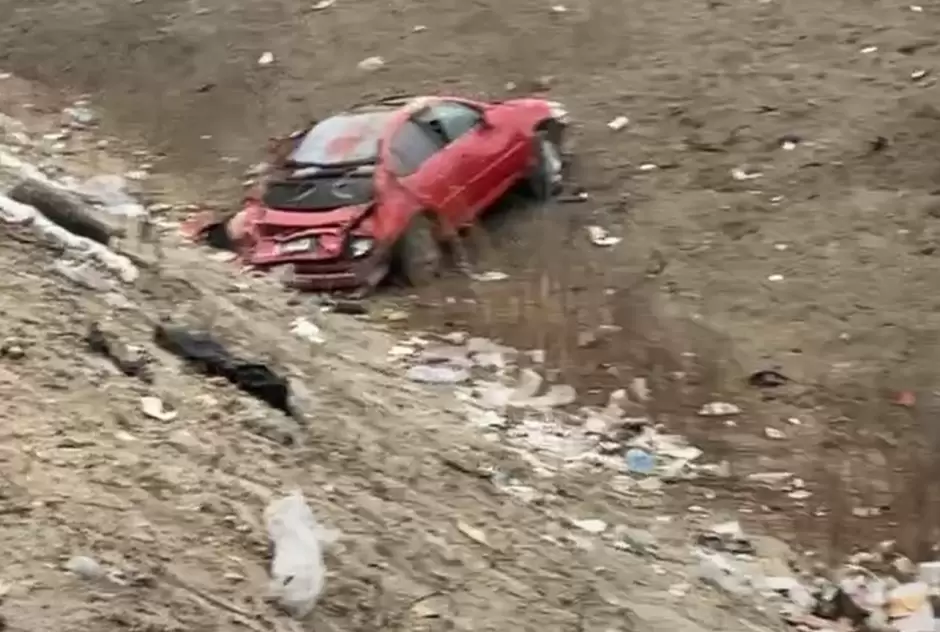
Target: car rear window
column 342, row 139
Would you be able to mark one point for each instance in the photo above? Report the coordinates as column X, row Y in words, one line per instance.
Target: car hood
column 278, row 224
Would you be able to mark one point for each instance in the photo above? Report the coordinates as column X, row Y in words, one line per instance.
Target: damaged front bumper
column 323, row 276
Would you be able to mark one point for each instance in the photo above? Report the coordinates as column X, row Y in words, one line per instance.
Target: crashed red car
column 382, row 185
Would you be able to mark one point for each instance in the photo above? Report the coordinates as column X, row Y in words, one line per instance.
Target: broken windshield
column 342, row 139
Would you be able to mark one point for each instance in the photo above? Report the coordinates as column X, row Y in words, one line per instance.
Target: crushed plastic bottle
column 298, row 574
column 639, row 461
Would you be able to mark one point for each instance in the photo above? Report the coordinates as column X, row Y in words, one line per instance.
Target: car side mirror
column 485, row 122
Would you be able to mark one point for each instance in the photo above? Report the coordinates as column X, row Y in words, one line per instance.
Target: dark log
column 65, row 209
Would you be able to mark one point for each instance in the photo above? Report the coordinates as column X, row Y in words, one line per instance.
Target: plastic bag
column 298, row 574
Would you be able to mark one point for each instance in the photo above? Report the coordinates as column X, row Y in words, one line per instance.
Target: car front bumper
column 333, row 275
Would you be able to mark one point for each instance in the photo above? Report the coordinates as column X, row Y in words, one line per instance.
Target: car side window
column 410, row 147
column 450, row 118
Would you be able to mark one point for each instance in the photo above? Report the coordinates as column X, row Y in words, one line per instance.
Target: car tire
column 544, row 181
column 418, row 256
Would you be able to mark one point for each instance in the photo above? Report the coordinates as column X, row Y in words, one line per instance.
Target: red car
column 381, row 186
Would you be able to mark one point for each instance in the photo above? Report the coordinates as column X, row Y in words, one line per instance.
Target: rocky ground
column 778, row 159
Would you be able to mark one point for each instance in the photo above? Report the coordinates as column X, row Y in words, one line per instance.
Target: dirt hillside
column 780, row 158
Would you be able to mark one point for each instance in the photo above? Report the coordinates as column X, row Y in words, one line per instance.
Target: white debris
column 307, row 330
column 153, row 408
column 648, row 166
column 775, row 278
column 370, row 64
column 591, row 525
column 600, row 237
column 323, row 4
column 266, row 59
column 559, row 8
column 719, row 409
column 437, row 374
column 868, row 50
column 773, row 433
column 298, row 574
column 85, row 567
column 741, row 174
column 618, row 123
column 492, row 275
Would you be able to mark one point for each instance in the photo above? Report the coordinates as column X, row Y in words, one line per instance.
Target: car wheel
column 544, row 181
column 418, row 257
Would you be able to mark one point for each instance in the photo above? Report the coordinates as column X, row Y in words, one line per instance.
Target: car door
column 420, row 161
column 483, row 155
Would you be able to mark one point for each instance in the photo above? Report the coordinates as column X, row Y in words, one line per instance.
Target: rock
column 12, row 348
column 81, row 116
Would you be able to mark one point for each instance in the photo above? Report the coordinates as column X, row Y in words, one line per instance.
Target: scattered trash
column 773, row 433
column 591, row 525
column 492, row 275
column 212, row 358
column 85, row 567
column 767, row 378
column 648, row 166
column 305, row 329
column 437, row 374
column 639, row 461
column 727, row 537
column 907, row 399
column 153, row 408
column 869, row 50
column 371, row 64
column 741, row 174
column 477, row 535
column 266, row 59
column 719, row 409
column 298, row 574
column 559, row 8
column 600, row 237
column 917, row 75
column 618, row 123
column 323, row 4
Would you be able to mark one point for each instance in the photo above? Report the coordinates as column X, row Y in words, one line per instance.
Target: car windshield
column 342, row 139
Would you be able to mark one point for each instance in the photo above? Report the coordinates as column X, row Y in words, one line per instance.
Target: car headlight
column 361, row 246
column 558, row 112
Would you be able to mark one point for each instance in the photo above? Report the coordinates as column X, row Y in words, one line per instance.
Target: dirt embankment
column 170, row 507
